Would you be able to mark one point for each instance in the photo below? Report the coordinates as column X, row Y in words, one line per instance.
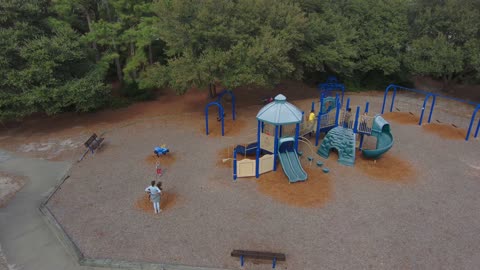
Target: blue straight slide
column 290, row 162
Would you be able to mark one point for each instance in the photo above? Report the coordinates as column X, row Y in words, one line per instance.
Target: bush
column 132, row 92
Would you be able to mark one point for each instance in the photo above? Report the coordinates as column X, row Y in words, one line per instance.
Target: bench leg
column 274, row 263
column 241, row 260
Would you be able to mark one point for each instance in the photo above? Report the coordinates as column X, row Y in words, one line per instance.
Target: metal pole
column 367, row 105
column 348, row 104
column 393, row 98
column 361, row 142
column 478, row 127
column 337, row 113
column 431, row 109
column 423, row 109
column 297, row 131
column 235, row 164
column 317, row 133
column 471, row 122
column 223, row 120
column 275, row 150
column 355, row 124
column 257, row 158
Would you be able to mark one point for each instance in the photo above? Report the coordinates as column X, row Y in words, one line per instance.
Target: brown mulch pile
column 314, row 192
column 164, row 160
column 402, row 118
column 168, row 200
column 387, row 168
column 445, row 131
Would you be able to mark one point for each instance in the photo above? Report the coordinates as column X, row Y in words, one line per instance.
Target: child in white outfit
column 155, row 192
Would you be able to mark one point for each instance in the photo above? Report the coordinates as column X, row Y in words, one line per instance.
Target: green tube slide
column 380, row 130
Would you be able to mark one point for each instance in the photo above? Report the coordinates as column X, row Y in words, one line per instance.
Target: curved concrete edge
column 140, row 265
column 60, row 233
column 77, row 254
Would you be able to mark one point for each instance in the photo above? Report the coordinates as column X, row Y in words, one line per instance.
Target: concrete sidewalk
column 26, row 238
column 27, row 241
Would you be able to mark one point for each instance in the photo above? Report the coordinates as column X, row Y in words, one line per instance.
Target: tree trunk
column 132, row 54
column 119, row 69
column 212, row 90
column 445, row 83
column 94, row 43
column 150, row 54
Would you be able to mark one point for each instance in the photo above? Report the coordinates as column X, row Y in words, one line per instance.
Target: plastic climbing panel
column 343, row 141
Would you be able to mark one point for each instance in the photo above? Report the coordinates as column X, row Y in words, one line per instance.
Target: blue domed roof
column 280, row 112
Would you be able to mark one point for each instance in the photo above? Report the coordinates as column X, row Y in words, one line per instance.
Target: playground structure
column 327, row 88
column 280, row 129
column 427, row 95
column 273, row 115
column 221, row 111
column 279, row 117
column 341, row 132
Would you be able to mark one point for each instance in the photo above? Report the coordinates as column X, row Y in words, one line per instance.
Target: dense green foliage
column 62, row 55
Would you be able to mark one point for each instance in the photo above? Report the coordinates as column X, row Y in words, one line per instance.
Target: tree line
column 63, row 55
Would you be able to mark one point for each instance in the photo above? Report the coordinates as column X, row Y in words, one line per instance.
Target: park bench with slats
column 258, row 255
column 94, row 142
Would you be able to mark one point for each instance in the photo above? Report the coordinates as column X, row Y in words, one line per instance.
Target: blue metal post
column 234, row 164
column 423, row 109
column 223, row 121
column 274, row 262
column 313, row 106
column 275, row 150
column 478, row 127
column 355, row 124
column 337, row 113
column 385, row 98
column 280, row 131
column 241, row 260
column 317, row 133
column 431, row 109
column 348, row 104
column 393, row 98
column 474, row 114
column 297, row 134
column 343, row 91
column 367, row 105
column 361, row 142
column 257, row 158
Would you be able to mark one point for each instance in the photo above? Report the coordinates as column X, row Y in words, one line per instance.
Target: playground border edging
column 72, row 249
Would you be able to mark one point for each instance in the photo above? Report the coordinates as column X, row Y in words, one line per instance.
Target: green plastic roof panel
column 280, row 112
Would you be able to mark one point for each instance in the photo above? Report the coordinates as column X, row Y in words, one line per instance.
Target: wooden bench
column 93, row 143
column 258, row 255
